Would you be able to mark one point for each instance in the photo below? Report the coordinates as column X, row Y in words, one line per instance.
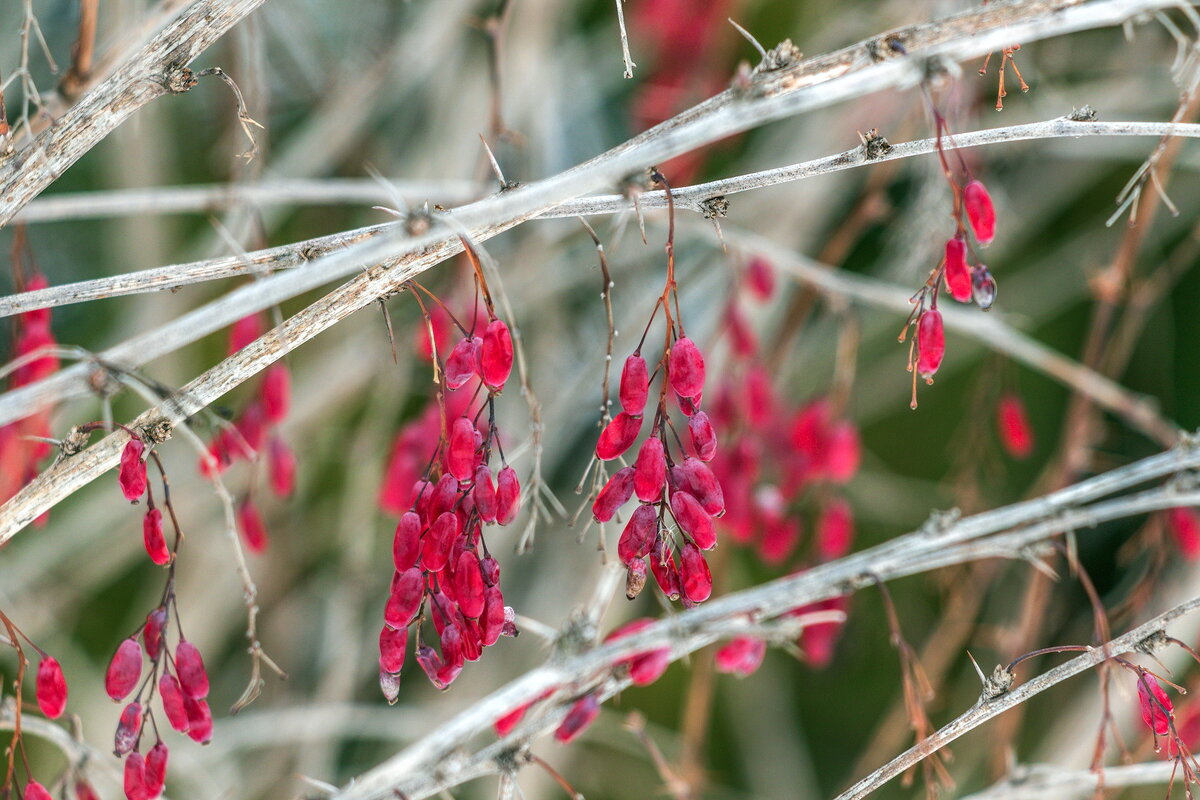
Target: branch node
column 177, row 78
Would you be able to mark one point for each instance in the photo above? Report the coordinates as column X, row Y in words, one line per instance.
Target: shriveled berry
column 200, row 723
column 635, row 578
column 276, row 392
column 484, row 494
column 615, row 494
column 635, row 385
column 152, row 632
column 132, row 473
column 508, row 496
column 983, row 287
column 171, row 695
column 650, row 470
column 490, row 569
column 578, row 718
column 460, row 452
column 618, row 436
column 250, row 523
column 153, row 538
column 1016, row 434
column 156, row 769
column 704, row 439
column 835, row 530
column 666, row 574
column 742, row 655
column 496, row 355
column 389, row 684
column 638, row 536
column 128, row 728
column 694, row 574
column 958, row 274
column 124, row 670
column 392, row 644
column 51, row 688
column 190, row 666
column 405, row 599
column 931, row 343
column 980, row 212
column 686, row 367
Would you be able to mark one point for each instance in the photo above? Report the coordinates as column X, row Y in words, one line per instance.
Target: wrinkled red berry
column 1155, row 706
column 666, row 574
column 694, row 574
column 694, row 477
column 958, row 274
column 686, row 367
column 693, row 520
column 128, row 728
column 152, row 632
column 460, row 452
column 254, row 530
column 650, row 470
column 484, row 494
column 190, row 666
column 704, row 439
column 508, row 496
column 156, row 769
column 124, row 670
column 638, row 536
column 496, row 355
column 578, row 718
column 200, row 722
column 980, row 212
column 244, row 331
column 132, row 473
column 51, row 688
column 392, row 644
column 405, row 599
column 618, row 436
column 468, row 585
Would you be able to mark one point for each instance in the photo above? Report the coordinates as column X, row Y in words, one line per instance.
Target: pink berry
column 51, row 688
column 618, row 436
column 132, row 473
column 578, row 718
column 124, row 670
column 1016, row 434
column 152, row 632
column 508, row 496
column 254, row 530
column 650, row 470
column 931, row 343
column 405, row 599
column 835, row 530
column 153, row 538
column 704, row 439
column 694, row 574
column 1155, row 706
column 693, row 520
column 171, row 695
column 156, row 769
column 1184, row 524
column 460, row 452
column 635, row 385
column 760, row 278
column 406, row 545
column 200, row 723
column 190, row 666
column 281, row 466
column 615, row 494
column 980, row 212
column 276, row 392
column 496, row 355
column 392, row 644
column 483, row 492
column 958, row 274
column 741, row 656
column 128, row 729
column 638, row 536
column 686, row 367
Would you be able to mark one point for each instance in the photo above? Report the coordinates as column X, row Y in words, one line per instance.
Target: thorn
column 978, row 671
column 762, row 51
column 495, row 164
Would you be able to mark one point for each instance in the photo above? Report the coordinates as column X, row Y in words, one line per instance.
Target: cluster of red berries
column 443, row 569
column 256, row 430
column 24, row 443
column 684, row 488
column 181, row 683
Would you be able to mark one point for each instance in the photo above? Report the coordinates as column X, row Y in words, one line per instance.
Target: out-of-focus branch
column 157, row 69
column 439, row 759
column 986, row 709
column 1035, row 782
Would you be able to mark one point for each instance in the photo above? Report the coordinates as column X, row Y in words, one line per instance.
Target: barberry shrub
column 670, row 462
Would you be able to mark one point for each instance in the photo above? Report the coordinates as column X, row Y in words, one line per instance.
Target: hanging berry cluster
column 256, row 430
column 678, row 485
column 965, row 282
column 24, row 443
column 443, row 570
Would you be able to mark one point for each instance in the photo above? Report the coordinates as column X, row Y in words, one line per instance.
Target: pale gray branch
column 1037, row 781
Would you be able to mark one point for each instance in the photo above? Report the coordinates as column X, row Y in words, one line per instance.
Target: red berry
column 505, row 724
column 128, row 728
column 508, row 496
column 276, row 392
column 152, row 632
column 84, row 790
column 578, row 718
column 980, row 212
column 200, row 722
column 392, row 644
column 741, row 656
column 650, row 470
column 35, row 791
column 496, row 355
column 281, row 465
column 244, row 331
column 484, row 494
column 124, row 670
column 190, row 666
column 135, row 778
column 957, row 273
column 460, row 452
column 468, row 585
column 132, row 473
column 1155, row 706
column 635, row 385
column 408, row 588
column 666, row 574
column 931, row 343
column 1016, row 434
column 615, row 494
column 406, row 546
column 843, row 452
column 618, row 436
column 704, row 439
column 694, row 574
column 638, row 536
column 694, row 477
column 491, row 624
column 760, row 277
column 153, row 538
column 173, row 704
column 490, row 569
column 1184, row 525
column 463, row 362
column 254, row 530
column 686, row 367
column 156, row 769
column 51, row 688
column 693, row 520
column 835, row 530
